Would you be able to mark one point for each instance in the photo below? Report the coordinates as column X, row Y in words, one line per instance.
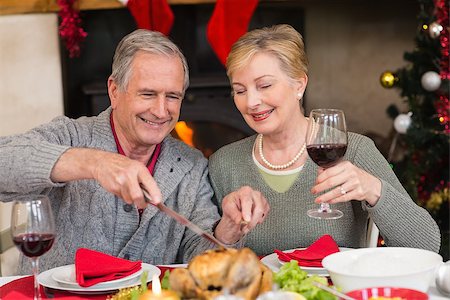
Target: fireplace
column 208, row 112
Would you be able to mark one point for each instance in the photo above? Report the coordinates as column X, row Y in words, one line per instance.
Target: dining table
column 21, row 288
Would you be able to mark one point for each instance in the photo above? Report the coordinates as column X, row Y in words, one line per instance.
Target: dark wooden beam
column 10, row 7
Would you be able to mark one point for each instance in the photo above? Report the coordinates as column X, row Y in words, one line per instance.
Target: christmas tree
column 424, row 131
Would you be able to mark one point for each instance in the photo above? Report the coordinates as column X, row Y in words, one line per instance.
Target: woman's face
column 265, row 96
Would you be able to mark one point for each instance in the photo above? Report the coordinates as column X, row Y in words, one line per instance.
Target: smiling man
column 93, row 168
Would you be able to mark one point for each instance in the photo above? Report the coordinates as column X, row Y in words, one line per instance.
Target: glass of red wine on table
column 33, row 230
column 326, row 143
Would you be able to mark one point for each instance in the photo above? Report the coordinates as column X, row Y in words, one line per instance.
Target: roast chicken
column 219, row 271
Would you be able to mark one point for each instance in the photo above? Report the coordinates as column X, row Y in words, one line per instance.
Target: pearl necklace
column 278, row 167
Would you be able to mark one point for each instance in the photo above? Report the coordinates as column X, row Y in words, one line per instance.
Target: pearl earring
column 300, row 95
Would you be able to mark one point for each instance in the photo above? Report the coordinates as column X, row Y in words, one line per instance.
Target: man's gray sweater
column 86, row 215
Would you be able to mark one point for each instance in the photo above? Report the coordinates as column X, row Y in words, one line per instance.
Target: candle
column 228, row 297
column 157, row 293
column 280, row 295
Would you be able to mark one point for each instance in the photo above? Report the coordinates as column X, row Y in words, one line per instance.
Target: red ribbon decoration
column 70, row 28
column 442, row 104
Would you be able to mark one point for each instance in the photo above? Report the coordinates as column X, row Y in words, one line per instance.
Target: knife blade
column 332, row 291
column 182, row 220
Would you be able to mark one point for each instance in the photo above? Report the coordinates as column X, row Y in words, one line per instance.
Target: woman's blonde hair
column 282, row 41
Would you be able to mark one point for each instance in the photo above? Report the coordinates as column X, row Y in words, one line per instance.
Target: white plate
column 66, row 275
column 174, row 266
column 274, row 263
column 46, row 279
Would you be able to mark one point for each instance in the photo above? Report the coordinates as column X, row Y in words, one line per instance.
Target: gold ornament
column 388, row 79
column 131, row 293
column 437, row 198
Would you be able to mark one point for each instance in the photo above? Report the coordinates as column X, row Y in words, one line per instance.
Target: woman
column 268, row 69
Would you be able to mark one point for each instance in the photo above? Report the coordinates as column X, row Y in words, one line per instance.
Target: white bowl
column 385, row 266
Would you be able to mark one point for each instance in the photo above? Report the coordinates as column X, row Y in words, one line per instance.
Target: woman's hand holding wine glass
column 356, row 182
column 33, row 229
column 326, row 143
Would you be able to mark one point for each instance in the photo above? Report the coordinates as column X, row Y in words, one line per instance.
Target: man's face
column 147, row 111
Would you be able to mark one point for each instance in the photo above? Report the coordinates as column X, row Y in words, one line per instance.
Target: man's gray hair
column 143, row 40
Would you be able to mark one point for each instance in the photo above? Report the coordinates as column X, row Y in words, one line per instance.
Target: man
column 93, row 168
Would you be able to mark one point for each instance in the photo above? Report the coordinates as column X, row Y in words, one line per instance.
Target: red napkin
column 92, row 267
column 23, row 289
column 313, row 255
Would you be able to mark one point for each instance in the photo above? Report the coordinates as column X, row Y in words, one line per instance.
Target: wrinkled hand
column 116, row 173
column 346, row 182
column 123, row 177
column 242, row 211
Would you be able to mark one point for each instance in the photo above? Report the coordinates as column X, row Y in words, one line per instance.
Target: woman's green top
column 402, row 222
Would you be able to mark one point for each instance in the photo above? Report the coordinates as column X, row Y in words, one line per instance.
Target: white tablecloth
column 432, row 292
column 5, row 280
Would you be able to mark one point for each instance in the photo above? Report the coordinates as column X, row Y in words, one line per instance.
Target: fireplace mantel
column 9, row 7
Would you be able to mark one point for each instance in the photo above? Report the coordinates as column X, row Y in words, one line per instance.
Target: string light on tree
column 442, row 109
column 431, row 81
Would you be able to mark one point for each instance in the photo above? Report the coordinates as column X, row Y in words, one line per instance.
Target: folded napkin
column 23, row 289
column 92, row 267
column 313, row 255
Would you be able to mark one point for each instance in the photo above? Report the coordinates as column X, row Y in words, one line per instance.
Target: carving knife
column 182, row 220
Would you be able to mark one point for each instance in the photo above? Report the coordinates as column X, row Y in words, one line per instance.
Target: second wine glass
column 33, row 230
column 326, row 143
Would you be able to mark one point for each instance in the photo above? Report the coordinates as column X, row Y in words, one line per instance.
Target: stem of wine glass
column 35, row 267
column 324, row 207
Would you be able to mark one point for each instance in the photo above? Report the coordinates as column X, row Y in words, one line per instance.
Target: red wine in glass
column 326, row 155
column 33, row 230
column 34, row 244
column 326, row 143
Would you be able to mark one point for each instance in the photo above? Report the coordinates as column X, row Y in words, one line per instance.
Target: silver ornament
column 402, row 122
column 434, row 30
column 431, row 81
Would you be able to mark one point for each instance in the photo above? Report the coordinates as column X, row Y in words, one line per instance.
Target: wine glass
column 326, row 143
column 33, row 230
